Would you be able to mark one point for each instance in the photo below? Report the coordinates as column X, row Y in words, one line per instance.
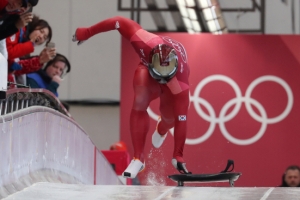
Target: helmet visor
column 166, row 67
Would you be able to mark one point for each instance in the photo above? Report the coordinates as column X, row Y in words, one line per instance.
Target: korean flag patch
column 182, row 117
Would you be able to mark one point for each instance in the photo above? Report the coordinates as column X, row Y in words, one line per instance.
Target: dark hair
column 293, row 167
column 59, row 57
column 32, row 2
column 38, row 24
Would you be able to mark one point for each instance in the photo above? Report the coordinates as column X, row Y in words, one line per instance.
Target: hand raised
column 47, row 54
column 57, row 79
column 24, row 20
column 74, row 39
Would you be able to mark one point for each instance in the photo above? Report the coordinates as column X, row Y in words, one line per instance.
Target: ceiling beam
column 173, row 8
column 156, row 15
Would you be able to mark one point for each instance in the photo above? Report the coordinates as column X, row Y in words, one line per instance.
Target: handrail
column 20, row 98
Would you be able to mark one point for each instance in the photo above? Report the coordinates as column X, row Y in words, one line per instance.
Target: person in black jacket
column 15, row 14
column 291, row 177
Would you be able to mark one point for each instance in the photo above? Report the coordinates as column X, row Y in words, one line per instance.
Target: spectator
column 34, row 34
column 14, row 14
column 22, row 44
column 291, row 177
column 50, row 77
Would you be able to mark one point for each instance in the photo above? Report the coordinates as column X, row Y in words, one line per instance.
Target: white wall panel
column 3, row 72
column 57, row 13
column 279, row 17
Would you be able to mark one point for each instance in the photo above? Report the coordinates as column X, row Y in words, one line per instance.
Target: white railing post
column 3, row 72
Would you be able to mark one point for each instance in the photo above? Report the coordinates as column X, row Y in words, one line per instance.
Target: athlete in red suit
column 163, row 72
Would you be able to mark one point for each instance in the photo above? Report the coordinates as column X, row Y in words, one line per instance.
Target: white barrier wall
column 40, row 144
column 3, row 71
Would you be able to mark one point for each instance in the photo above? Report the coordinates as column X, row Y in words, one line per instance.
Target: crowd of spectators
column 21, row 32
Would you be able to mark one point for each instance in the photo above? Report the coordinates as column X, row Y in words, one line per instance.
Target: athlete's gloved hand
column 74, row 39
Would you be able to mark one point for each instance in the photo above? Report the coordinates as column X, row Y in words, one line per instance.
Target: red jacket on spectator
column 3, row 3
column 16, row 49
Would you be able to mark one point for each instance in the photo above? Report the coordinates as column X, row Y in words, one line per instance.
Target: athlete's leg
column 145, row 90
column 181, row 105
column 174, row 110
column 165, row 122
column 166, row 111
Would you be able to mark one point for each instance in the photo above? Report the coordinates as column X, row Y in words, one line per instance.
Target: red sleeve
column 15, row 49
column 3, row 3
column 29, row 65
column 125, row 26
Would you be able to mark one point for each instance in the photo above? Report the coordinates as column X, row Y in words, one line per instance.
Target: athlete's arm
column 125, row 26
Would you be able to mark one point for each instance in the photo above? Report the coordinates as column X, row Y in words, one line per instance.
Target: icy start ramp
column 58, row 191
column 39, row 144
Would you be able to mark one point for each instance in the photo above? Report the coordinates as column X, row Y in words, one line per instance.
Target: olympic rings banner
column 244, row 105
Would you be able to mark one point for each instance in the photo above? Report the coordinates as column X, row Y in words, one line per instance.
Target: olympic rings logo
column 237, row 101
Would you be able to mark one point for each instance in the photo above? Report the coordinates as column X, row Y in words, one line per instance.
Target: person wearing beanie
column 32, row 3
column 51, row 75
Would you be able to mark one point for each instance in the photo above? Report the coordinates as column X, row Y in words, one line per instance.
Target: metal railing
column 21, row 98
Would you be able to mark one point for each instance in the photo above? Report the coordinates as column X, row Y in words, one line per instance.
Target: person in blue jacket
column 51, row 75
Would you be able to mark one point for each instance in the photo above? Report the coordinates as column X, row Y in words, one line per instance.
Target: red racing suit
column 174, row 96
